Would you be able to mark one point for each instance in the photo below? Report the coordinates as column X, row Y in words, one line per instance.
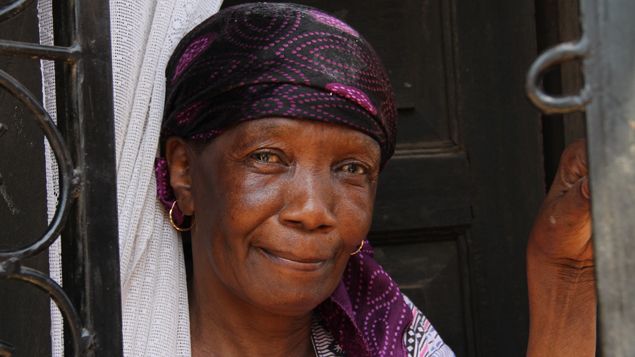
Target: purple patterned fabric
column 261, row 60
column 284, row 60
column 367, row 313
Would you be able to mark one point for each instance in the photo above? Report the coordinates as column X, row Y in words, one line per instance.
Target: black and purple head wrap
column 265, row 60
column 274, row 60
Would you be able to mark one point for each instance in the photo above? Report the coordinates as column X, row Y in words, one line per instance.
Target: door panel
column 410, row 36
column 432, row 270
column 422, row 191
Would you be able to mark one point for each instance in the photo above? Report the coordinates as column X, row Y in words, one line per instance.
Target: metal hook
column 562, row 53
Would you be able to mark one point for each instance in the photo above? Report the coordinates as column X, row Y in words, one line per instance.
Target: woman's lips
column 293, row 261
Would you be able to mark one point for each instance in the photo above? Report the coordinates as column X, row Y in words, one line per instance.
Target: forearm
column 562, row 307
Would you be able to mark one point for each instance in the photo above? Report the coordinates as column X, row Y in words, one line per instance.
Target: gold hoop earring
column 180, row 229
column 358, row 249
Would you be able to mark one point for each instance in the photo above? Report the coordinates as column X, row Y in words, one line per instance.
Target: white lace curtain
column 153, row 288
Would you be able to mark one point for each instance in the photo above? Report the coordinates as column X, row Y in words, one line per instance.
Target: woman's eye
column 266, row 157
column 354, row 169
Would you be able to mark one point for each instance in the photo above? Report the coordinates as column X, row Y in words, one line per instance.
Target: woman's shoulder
column 421, row 339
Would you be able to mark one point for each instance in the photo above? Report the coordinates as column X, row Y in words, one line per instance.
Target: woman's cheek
column 358, row 201
column 355, row 216
column 261, row 190
column 252, row 197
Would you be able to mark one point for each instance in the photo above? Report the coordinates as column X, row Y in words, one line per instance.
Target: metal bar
column 100, row 192
column 37, row 51
column 90, row 300
column 80, row 338
column 9, row 10
column 68, row 112
column 610, row 69
column 90, row 250
column 64, row 163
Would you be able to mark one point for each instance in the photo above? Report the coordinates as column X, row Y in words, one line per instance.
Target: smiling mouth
column 290, row 261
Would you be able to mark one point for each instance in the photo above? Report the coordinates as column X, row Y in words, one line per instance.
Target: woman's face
column 279, row 206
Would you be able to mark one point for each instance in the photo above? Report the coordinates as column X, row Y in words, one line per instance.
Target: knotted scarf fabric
column 265, row 60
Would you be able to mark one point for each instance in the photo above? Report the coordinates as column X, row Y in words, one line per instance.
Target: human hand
column 562, row 230
column 560, row 269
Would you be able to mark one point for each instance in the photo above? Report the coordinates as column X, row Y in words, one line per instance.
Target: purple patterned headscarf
column 265, row 60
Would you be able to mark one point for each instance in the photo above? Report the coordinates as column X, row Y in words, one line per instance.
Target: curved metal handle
column 549, row 104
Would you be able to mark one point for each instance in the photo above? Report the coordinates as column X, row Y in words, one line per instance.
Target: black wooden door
column 455, row 205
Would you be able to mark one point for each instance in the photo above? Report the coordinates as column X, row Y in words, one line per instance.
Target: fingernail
column 585, row 189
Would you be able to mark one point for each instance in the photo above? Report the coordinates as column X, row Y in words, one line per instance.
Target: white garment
column 153, row 289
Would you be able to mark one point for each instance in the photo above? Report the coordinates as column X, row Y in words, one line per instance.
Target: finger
column 573, row 163
column 569, row 215
column 585, row 189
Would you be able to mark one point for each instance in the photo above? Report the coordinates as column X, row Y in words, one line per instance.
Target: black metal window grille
column 83, row 146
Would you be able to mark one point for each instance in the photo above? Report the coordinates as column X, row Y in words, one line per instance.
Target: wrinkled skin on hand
column 562, row 230
column 560, row 269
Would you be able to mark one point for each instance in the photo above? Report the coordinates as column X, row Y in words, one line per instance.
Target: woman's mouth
column 292, row 261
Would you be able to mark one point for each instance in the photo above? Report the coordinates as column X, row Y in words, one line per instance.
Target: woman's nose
column 309, row 203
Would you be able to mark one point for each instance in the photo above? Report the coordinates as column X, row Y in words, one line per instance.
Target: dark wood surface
column 24, row 310
column 496, row 43
column 557, row 22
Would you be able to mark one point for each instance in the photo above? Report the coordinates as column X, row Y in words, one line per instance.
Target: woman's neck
column 222, row 324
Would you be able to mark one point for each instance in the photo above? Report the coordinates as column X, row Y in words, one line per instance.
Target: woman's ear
column 178, row 156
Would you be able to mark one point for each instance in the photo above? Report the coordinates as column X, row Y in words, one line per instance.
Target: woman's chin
column 290, row 306
column 286, row 286
column 289, row 297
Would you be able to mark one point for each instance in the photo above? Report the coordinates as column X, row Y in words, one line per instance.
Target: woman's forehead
column 307, row 131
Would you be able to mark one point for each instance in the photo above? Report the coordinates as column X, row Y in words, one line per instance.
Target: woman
column 278, row 120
